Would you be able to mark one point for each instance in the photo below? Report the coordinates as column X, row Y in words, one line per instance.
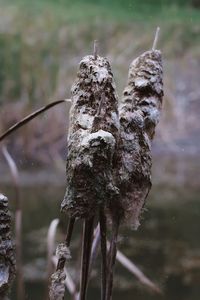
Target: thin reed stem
column 103, row 234
column 156, row 38
column 112, row 259
column 86, row 253
column 31, row 117
column 62, row 261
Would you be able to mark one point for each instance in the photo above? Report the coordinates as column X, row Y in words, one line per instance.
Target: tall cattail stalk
column 91, row 144
column 138, row 115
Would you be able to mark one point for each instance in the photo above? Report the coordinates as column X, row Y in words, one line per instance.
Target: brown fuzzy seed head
column 139, row 114
column 94, row 127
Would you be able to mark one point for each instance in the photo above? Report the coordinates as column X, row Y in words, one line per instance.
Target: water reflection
column 166, row 246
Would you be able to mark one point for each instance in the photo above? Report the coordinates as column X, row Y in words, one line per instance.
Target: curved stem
column 31, row 117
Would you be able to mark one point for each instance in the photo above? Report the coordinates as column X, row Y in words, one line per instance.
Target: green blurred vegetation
column 38, row 37
column 42, row 42
column 79, row 10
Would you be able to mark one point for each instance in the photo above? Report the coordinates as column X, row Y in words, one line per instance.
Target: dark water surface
column 166, row 247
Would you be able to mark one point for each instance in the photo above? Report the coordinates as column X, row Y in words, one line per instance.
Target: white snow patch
column 101, row 74
column 101, row 134
column 115, row 118
column 85, row 120
column 141, row 82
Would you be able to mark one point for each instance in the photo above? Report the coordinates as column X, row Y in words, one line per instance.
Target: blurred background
column 41, row 44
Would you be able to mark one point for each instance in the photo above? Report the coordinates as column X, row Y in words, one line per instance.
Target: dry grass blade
column 51, row 246
column 129, row 265
column 31, row 117
column 18, row 221
column 125, row 262
column 95, row 245
column 13, row 170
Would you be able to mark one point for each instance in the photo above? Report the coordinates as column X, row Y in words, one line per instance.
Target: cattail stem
column 112, row 259
column 95, row 245
column 62, row 261
column 70, row 231
column 156, row 38
column 95, row 49
column 103, row 233
column 86, row 252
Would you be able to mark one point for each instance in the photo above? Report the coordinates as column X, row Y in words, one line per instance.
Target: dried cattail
column 93, row 135
column 139, row 114
column 7, row 258
column 91, row 143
